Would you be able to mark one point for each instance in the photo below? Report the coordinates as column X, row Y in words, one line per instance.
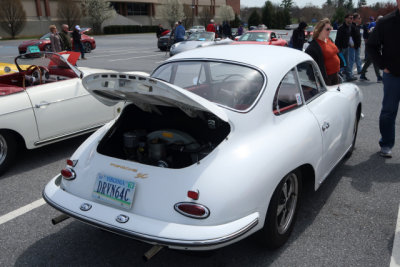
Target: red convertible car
column 261, row 37
column 44, row 43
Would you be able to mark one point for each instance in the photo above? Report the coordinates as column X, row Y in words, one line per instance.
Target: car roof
column 271, row 59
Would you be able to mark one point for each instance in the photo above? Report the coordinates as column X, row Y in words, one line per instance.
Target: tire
column 47, row 48
column 282, row 211
column 8, row 150
column 87, row 47
column 355, row 131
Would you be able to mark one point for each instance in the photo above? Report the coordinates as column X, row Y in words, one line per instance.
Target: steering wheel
column 31, row 70
column 234, row 94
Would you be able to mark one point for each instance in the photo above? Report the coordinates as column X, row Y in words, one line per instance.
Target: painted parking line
column 21, row 211
column 395, row 259
column 123, row 53
column 133, row 58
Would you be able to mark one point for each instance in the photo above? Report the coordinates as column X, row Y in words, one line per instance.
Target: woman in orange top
column 324, row 52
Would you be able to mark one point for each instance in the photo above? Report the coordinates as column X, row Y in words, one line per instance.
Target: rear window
column 227, row 84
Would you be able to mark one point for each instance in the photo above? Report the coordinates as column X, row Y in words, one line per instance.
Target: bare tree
column 12, row 16
column 226, row 13
column 172, row 11
column 205, row 16
column 69, row 13
column 98, row 11
column 189, row 16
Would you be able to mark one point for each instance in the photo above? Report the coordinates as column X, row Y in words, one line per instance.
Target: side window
column 310, row 83
column 287, row 96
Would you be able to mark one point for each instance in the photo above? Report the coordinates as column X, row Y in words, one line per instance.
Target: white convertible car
column 214, row 146
column 44, row 102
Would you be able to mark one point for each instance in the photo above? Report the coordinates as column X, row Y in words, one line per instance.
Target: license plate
column 115, row 191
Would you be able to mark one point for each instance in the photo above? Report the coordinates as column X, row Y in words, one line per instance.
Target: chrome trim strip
column 65, row 136
column 150, row 238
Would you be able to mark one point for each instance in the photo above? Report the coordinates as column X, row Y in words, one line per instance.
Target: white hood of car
column 146, row 92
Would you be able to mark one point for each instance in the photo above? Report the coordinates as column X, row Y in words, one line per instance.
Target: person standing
column 382, row 47
column 65, row 38
column 342, row 42
column 179, row 32
column 211, row 26
column 77, row 36
column 240, row 30
column 159, row 30
column 324, row 52
column 55, row 40
column 299, row 37
column 226, row 29
column 368, row 61
column 354, row 51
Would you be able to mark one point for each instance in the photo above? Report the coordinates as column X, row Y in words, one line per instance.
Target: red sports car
column 44, row 43
column 261, row 37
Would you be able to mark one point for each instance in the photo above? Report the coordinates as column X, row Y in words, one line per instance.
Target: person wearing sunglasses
column 343, row 42
column 324, row 52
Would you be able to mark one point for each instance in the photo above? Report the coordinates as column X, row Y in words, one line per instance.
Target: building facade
column 42, row 13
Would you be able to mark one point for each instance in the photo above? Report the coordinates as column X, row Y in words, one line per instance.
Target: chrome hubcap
column 287, row 203
column 3, row 149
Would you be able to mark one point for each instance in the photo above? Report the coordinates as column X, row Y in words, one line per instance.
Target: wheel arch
column 18, row 137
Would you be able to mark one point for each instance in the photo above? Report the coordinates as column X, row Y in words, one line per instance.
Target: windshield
column 45, row 37
column 202, row 36
column 51, row 61
column 230, row 85
column 255, row 36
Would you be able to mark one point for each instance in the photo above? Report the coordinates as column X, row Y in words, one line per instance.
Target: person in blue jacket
column 179, row 32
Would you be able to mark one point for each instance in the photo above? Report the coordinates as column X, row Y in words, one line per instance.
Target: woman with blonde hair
column 324, row 52
column 55, row 39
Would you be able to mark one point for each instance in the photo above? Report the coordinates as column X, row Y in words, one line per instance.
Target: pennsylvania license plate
column 115, row 191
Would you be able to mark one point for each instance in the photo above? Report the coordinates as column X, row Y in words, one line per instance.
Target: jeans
column 390, row 106
column 354, row 57
column 367, row 63
column 78, row 47
column 347, row 72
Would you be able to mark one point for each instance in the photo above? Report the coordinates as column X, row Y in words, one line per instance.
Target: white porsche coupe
column 214, row 146
column 45, row 102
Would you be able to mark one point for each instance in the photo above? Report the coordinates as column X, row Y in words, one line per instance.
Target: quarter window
column 287, row 96
column 309, row 81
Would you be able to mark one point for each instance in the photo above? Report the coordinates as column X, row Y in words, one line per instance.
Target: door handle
column 325, row 126
column 42, row 104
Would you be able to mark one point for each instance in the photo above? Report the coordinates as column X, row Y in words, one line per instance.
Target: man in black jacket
column 298, row 37
column 342, row 42
column 383, row 48
column 354, row 50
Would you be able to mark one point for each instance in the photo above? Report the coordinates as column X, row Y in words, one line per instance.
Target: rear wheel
column 8, row 150
column 282, row 211
column 88, row 47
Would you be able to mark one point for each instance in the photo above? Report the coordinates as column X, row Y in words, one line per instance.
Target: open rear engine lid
column 146, row 92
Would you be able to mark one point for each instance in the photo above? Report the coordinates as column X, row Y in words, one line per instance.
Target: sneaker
column 379, row 79
column 351, row 79
column 363, row 78
column 386, row 152
column 84, row 58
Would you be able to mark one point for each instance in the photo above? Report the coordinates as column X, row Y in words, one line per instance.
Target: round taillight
column 71, row 162
column 68, row 174
column 192, row 210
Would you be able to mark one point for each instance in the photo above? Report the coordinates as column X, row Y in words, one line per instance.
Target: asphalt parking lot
column 350, row 221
